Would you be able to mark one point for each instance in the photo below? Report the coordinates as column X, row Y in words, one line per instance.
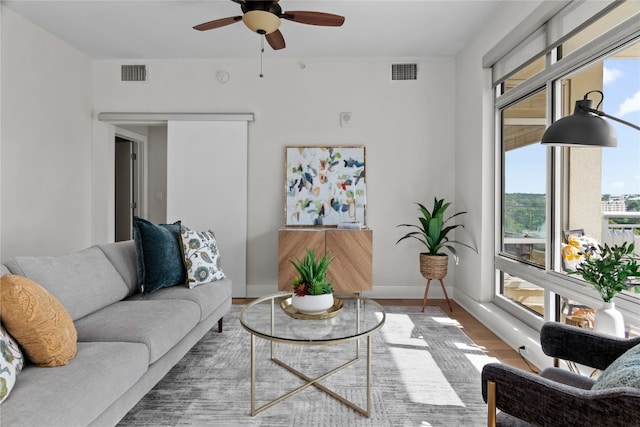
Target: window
column 524, row 183
column 525, row 73
column 615, row 17
column 603, row 183
column 524, row 293
column 546, row 191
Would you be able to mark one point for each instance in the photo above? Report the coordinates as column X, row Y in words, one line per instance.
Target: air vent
column 133, row 73
column 404, row 72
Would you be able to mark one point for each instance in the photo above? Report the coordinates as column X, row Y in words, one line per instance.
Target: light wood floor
column 475, row 330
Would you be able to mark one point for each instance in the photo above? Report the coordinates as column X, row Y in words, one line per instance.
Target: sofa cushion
column 11, row 363
column 158, row 255
column 208, row 296
column 201, row 256
column 158, row 324
column 623, row 372
column 83, row 281
column 123, row 257
column 37, row 321
column 80, row 391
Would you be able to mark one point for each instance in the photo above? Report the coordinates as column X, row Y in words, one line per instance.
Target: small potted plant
column 312, row 292
column 607, row 270
column 433, row 233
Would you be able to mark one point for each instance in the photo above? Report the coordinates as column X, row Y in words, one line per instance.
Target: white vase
column 609, row 320
column 312, row 304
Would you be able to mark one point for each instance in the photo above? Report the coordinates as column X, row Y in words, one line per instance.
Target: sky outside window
column 620, row 165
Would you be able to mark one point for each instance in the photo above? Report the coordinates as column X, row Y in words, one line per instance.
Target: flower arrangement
column 312, row 275
column 608, row 269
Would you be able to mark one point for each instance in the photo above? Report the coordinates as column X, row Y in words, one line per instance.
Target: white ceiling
column 162, row 29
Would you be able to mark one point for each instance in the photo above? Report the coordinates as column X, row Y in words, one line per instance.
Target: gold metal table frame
column 272, row 336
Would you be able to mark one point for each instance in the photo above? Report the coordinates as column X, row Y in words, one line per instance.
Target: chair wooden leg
column 220, row 325
column 446, row 296
column 491, row 404
column 426, row 293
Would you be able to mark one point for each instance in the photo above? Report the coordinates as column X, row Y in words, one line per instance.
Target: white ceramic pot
column 609, row 320
column 312, row 304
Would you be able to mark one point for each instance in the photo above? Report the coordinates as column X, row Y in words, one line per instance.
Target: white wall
column 408, row 128
column 475, row 170
column 55, row 155
column 45, row 139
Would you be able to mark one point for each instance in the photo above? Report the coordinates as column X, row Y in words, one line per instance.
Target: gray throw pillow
column 623, row 372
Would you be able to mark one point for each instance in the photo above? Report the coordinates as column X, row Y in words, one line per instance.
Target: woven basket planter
column 433, row 266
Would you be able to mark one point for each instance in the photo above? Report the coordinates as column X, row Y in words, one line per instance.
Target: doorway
column 127, row 186
column 228, row 164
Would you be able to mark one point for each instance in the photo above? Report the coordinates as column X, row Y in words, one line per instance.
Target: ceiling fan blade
column 217, row 23
column 239, row 1
column 276, row 40
column 314, row 18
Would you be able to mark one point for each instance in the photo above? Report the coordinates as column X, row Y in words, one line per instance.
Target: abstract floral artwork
column 325, row 186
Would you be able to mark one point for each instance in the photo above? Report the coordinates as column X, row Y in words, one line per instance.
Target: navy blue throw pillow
column 158, row 255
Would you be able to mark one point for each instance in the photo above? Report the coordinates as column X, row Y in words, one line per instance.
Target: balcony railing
column 616, row 234
column 532, row 249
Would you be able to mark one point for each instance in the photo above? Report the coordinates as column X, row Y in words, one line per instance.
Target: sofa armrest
column 541, row 401
column 583, row 346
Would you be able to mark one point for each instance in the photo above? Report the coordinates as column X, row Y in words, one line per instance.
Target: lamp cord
column 531, row 367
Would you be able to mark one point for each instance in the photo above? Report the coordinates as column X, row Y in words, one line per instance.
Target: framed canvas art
column 325, row 186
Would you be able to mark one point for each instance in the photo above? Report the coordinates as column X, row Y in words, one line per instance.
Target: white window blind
column 556, row 21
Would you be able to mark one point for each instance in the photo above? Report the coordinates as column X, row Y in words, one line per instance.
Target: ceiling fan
column 263, row 17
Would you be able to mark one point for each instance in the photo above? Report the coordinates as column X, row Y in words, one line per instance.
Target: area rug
column 425, row 372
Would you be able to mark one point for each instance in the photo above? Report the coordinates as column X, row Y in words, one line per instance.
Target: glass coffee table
column 351, row 318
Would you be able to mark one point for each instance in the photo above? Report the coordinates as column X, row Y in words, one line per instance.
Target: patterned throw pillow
column 37, row 320
column 158, row 255
column 11, row 362
column 201, row 257
column 574, row 252
column 571, row 257
column 585, row 243
column 623, row 372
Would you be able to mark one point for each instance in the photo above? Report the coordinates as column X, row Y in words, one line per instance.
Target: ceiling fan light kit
column 261, row 22
column 264, row 17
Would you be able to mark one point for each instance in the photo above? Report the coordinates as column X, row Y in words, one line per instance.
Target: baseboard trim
column 379, row 291
column 508, row 328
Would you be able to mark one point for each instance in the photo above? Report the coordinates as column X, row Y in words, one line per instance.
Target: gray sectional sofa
column 126, row 341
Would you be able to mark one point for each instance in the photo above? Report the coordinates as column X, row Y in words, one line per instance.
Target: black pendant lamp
column 585, row 127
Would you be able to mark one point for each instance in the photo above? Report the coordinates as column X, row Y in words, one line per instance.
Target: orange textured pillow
column 38, row 321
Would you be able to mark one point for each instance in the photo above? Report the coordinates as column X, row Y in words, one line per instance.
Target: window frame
column 549, row 277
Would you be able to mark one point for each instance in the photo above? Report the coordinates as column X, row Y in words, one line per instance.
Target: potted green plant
column 608, row 270
column 312, row 292
column 433, row 232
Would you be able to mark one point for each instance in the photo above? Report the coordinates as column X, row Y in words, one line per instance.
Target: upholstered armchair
column 558, row 397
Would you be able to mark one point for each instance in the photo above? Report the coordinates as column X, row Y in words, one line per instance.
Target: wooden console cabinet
column 350, row 271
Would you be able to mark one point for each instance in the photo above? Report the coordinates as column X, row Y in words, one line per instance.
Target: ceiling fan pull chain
column 261, row 53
